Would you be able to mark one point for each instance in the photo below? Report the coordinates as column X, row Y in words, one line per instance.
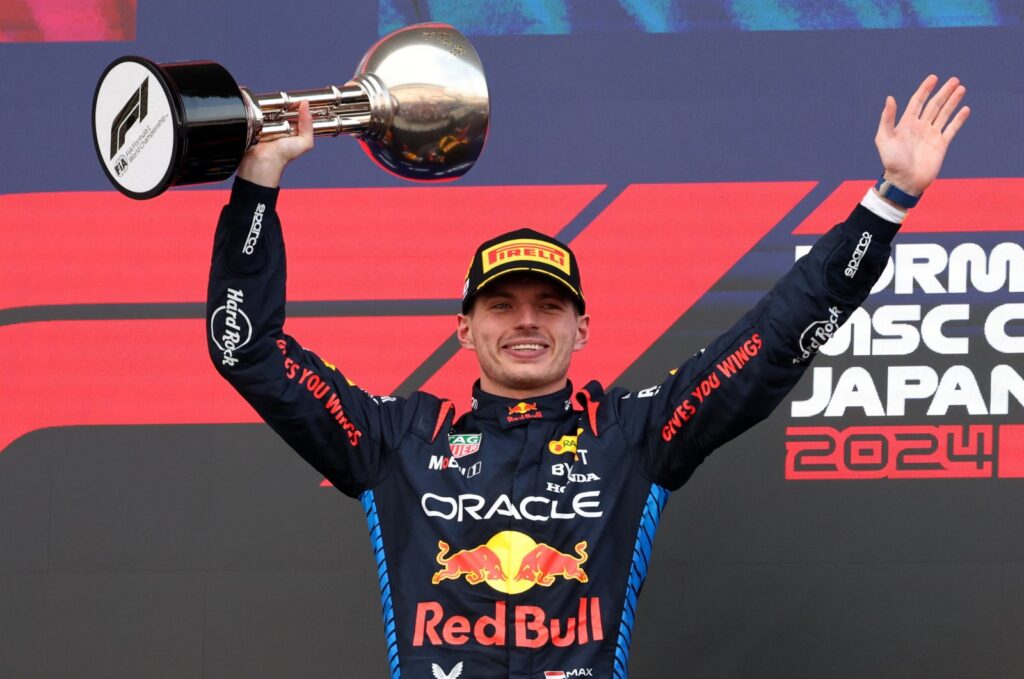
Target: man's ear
column 464, row 333
column 582, row 332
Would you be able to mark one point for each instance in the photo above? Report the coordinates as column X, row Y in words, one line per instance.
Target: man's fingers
column 918, row 99
column 947, row 108
column 958, row 121
column 888, row 119
column 931, row 111
column 305, row 129
column 305, row 121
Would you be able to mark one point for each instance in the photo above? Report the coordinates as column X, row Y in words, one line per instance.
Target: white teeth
column 526, row 347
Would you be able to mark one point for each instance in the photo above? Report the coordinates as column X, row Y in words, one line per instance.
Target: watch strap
column 886, row 189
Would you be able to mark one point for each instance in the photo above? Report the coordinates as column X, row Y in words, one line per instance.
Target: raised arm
column 339, row 429
column 913, row 150
column 741, row 377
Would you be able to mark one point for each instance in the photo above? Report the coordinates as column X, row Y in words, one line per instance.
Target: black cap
column 524, row 250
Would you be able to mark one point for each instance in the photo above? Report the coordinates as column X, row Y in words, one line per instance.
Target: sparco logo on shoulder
column 817, row 334
column 230, row 328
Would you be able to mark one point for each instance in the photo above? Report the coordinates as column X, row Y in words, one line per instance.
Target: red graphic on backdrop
column 158, row 371
column 953, row 205
column 89, row 248
column 98, row 248
column 63, row 21
column 70, row 249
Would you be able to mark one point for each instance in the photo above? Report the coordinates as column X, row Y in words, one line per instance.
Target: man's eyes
column 546, row 306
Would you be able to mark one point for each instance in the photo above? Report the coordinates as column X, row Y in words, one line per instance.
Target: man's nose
column 526, row 316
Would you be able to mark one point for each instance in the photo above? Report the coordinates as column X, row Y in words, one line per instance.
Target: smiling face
column 523, row 329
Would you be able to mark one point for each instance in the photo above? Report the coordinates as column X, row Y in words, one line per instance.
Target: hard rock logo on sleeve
column 817, row 334
column 230, row 328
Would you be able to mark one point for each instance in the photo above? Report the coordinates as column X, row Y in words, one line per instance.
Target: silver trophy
column 417, row 103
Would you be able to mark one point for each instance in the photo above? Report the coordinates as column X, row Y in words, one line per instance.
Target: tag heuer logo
column 462, row 445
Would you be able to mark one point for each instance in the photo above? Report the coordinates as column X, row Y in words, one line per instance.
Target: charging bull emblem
column 543, row 563
column 477, row 564
column 511, row 562
column 523, row 411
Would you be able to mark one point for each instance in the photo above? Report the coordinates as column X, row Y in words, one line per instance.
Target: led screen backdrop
column 60, row 21
column 690, row 152
column 561, row 17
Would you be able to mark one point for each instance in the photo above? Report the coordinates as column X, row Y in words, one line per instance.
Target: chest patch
column 462, row 445
column 566, row 444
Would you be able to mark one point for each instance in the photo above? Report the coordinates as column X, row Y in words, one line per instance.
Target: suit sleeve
column 740, row 378
column 343, row 432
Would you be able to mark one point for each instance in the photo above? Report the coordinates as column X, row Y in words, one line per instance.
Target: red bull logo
column 532, row 626
column 477, row 564
column 511, row 562
column 522, row 408
column 543, row 564
column 523, row 411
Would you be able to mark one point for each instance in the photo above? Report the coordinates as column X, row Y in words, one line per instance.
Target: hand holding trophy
column 417, row 103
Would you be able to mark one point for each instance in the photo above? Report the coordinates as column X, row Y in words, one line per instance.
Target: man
column 521, row 553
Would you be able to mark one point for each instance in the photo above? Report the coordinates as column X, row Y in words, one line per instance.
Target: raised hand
column 912, row 151
column 264, row 163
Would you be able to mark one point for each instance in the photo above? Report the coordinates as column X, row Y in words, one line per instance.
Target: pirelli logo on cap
column 526, row 250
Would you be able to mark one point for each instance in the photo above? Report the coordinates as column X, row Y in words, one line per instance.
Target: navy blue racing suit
column 514, row 540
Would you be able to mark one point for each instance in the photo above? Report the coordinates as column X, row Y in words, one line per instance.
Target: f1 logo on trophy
column 417, row 103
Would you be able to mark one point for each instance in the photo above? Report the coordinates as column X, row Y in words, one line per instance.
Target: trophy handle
column 335, row 110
